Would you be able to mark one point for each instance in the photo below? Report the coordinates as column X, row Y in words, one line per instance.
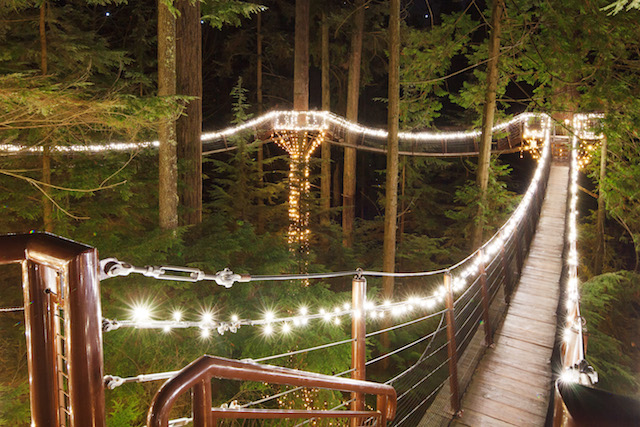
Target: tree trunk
column 47, row 205
column 167, row 157
column 301, row 57
column 391, row 194
column 488, row 114
column 189, row 125
column 337, row 191
column 403, row 206
column 260, row 226
column 353, row 94
column 325, row 169
column 600, row 248
column 43, row 38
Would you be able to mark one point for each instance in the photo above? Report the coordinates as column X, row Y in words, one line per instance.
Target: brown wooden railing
column 197, row 377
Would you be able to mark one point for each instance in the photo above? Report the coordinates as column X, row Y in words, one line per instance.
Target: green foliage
column 623, row 170
column 228, row 12
column 618, row 5
column 14, row 404
column 237, row 186
column 500, row 203
column 610, row 304
column 425, row 61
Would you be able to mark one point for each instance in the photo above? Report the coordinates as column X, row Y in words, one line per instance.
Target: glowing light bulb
column 206, row 318
column 141, row 313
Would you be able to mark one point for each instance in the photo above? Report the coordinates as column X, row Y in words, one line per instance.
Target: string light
column 573, row 327
column 294, row 121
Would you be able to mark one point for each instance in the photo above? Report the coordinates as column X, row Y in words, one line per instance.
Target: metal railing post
column 452, row 350
column 41, row 344
column 63, row 325
column 201, row 404
column 358, row 347
column 488, row 337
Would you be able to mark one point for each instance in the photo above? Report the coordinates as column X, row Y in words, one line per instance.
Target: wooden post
column 508, row 288
column 452, row 349
column 519, row 256
column 358, row 346
column 488, row 337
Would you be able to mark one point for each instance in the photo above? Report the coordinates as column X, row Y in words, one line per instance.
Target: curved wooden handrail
column 198, row 374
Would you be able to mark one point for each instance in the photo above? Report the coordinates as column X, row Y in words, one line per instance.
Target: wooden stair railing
column 197, row 377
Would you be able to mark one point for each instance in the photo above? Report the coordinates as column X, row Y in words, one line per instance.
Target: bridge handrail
column 198, row 374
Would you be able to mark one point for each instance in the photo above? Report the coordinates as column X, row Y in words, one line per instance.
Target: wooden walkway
column 511, row 386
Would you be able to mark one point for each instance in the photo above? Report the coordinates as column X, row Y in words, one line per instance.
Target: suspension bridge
column 498, row 334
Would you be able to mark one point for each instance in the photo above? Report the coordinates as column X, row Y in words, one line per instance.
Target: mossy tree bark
column 167, row 157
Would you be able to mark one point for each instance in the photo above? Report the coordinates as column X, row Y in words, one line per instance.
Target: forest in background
column 79, row 72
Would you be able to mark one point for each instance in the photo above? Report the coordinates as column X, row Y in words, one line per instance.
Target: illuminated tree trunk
column 296, row 143
column 488, row 114
column 353, row 94
column 189, row 125
column 600, row 235
column 325, row 172
column 167, row 157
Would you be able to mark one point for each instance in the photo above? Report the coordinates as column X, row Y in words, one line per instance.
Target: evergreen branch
column 56, row 187
column 131, row 157
column 66, row 212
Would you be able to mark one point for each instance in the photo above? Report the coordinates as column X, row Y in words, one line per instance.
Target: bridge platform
column 512, row 382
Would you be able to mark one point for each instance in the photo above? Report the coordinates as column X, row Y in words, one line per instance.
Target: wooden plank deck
column 511, row 385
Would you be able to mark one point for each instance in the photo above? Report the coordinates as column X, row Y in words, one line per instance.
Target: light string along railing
column 317, row 121
column 142, row 315
column 575, row 367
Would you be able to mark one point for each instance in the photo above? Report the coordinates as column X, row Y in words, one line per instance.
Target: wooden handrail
column 198, row 374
